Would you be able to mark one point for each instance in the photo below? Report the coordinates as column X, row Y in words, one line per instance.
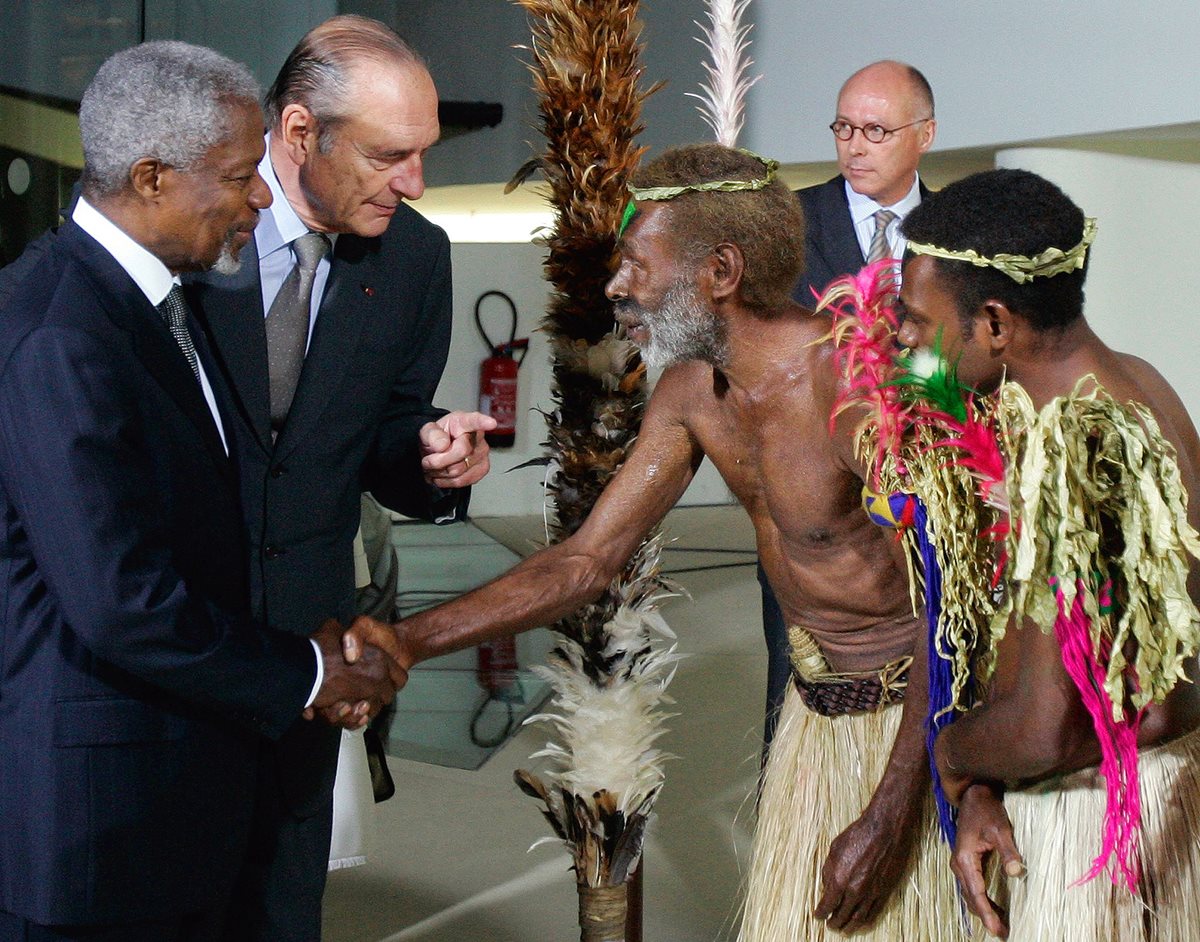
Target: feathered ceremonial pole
column 608, row 675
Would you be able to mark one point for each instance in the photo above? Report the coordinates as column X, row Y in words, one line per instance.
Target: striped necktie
column 879, row 242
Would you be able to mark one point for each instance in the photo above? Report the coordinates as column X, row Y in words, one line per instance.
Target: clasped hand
column 362, row 672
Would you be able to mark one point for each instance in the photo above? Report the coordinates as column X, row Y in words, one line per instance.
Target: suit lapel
column 231, row 309
column 153, row 344
column 350, row 295
column 840, row 227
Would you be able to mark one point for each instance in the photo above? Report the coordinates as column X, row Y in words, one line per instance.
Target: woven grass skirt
column 820, row 775
column 1058, row 826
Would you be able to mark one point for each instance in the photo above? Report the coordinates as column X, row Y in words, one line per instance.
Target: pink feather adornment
column 979, row 453
column 1118, row 743
column 865, row 325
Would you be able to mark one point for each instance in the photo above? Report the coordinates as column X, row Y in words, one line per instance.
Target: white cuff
column 320, row 674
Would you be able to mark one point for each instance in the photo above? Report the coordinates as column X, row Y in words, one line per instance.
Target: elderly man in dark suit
column 884, row 123
column 135, row 688
column 333, row 336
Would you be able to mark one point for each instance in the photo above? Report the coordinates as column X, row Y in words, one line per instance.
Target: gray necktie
column 879, row 243
column 174, row 310
column 287, row 324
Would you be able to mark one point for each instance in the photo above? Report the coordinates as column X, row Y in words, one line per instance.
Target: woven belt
column 862, row 695
column 830, row 693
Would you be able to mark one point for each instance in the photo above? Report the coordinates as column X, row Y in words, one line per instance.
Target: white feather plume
column 724, row 94
column 606, row 734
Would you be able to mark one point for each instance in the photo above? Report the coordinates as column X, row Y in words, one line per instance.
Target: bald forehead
column 893, row 81
column 371, row 69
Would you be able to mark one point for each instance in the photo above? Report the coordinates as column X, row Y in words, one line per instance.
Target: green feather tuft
column 627, row 217
column 939, row 386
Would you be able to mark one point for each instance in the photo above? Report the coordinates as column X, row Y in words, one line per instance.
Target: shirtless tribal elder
column 703, row 288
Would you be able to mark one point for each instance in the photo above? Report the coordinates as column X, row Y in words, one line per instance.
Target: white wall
column 1143, row 284
column 1007, row 72
column 516, row 270
column 1001, row 72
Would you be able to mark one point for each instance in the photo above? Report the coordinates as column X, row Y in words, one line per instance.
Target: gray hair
column 317, row 72
column 167, row 100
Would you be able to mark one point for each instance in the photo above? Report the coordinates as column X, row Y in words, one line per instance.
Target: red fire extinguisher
column 498, row 377
column 496, row 665
column 496, row 671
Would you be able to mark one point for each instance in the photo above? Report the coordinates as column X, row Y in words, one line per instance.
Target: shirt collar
column 863, row 207
column 143, row 266
column 278, row 224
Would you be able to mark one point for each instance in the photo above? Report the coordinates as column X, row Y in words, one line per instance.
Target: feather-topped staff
column 723, row 96
column 609, row 670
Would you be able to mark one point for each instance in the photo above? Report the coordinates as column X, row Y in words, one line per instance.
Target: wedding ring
column 467, row 462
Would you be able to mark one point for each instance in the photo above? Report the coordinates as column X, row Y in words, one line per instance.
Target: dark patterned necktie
column 174, row 311
column 879, row 242
column 287, row 324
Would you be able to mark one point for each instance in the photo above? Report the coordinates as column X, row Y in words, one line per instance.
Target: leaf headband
column 661, row 193
column 1020, row 268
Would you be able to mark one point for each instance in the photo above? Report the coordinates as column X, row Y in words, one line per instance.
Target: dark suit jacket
column 831, row 248
column 375, row 358
column 133, row 686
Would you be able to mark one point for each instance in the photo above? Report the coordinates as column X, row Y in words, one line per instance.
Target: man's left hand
column 864, row 865
column 454, row 452
column 983, row 830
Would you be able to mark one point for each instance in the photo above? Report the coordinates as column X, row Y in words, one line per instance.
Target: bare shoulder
column 1153, row 390
column 824, row 383
column 677, row 396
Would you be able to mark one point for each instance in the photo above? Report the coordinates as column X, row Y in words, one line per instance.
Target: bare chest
column 778, row 459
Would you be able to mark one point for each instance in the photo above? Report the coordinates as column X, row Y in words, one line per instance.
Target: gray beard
column 682, row 328
column 227, row 262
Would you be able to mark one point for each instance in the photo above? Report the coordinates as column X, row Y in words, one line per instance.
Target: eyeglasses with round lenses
column 875, row 133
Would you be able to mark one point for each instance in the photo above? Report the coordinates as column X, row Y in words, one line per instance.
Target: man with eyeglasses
column 884, row 123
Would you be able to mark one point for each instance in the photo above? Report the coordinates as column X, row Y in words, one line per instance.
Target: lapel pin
column 368, row 291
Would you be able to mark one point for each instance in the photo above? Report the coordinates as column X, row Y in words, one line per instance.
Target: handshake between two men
column 362, row 672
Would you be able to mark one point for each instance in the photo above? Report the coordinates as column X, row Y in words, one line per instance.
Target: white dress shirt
column 147, row 272
column 862, row 213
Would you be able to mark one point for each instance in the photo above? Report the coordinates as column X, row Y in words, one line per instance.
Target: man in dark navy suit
column 352, row 114
column 134, row 687
column 884, row 123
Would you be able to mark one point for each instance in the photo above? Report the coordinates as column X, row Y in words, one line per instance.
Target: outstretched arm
column 557, row 580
